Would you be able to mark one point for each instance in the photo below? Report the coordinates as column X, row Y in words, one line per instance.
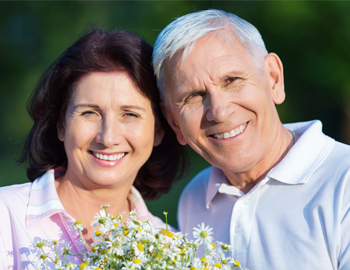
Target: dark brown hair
column 99, row 51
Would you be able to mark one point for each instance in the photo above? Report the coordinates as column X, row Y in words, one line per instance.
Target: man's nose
column 219, row 108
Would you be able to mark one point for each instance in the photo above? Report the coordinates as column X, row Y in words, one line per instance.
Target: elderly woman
column 98, row 138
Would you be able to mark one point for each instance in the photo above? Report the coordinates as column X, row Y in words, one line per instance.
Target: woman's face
column 108, row 131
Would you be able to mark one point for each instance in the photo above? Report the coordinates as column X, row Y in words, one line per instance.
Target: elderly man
column 279, row 194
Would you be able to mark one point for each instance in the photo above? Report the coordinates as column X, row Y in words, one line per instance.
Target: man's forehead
column 208, row 55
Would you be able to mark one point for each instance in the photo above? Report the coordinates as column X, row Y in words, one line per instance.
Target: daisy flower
column 100, row 218
column 203, row 234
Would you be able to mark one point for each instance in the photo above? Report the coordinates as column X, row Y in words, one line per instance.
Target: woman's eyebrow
column 128, row 107
column 86, row 105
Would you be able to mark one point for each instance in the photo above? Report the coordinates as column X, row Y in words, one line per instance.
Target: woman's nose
column 109, row 133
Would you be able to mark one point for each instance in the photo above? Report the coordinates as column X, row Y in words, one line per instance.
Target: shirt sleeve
column 344, row 258
column 3, row 251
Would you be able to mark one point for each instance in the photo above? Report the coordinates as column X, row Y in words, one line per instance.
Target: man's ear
column 274, row 69
column 169, row 115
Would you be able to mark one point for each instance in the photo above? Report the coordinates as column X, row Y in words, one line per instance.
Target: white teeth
column 232, row 133
column 219, row 136
column 106, row 157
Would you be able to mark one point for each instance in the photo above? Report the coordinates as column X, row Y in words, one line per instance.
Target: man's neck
column 247, row 179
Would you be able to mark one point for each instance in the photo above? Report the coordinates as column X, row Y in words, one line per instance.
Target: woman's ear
column 173, row 123
column 274, row 72
column 158, row 135
column 60, row 130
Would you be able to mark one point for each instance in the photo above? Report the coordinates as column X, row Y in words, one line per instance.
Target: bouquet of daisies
column 137, row 245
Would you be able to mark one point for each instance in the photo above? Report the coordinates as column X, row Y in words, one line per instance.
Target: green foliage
column 311, row 37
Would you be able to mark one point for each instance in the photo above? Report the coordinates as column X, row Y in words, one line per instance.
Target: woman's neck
column 83, row 204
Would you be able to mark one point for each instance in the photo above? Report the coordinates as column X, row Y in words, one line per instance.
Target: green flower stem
column 166, row 219
column 82, row 239
column 43, row 258
column 75, row 254
column 45, row 264
column 105, row 207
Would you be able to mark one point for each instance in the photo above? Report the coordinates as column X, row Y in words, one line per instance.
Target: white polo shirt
column 298, row 217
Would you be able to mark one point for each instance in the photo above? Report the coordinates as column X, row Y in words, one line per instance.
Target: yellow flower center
column 203, row 234
column 203, row 259
column 140, row 247
column 40, row 245
column 83, row 265
column 218, row 265
column 78, row 222
column 126, row 232
column 98, row 233
column 137, row 260
column 237, row 263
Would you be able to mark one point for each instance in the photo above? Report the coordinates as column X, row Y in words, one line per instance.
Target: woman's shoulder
column 14, row 195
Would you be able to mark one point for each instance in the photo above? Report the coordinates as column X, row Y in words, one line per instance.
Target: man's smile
column 234, row 132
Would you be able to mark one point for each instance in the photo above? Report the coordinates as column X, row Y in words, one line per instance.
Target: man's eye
column 194, row 97
column 231, row 80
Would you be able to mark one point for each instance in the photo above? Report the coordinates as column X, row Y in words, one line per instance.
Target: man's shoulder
column 341, row 149
column 198, row 183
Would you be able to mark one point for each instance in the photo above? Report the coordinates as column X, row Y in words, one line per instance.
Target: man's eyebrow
column 230, row 74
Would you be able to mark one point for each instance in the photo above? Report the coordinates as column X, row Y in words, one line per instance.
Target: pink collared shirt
column 33, row 211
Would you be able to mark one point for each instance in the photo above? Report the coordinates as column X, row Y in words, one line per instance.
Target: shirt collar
column 43, row 199
column 305, row 156
column 309, row 150
column 138, row 204
column 218, row 183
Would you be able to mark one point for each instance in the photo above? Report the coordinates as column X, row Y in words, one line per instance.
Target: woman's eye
column 91, row 116
column 130, row 114
column 88, row 113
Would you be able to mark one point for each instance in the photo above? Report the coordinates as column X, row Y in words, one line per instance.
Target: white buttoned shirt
column 297, row 217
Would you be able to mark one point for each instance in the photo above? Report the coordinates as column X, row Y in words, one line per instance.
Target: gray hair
column 181, row 35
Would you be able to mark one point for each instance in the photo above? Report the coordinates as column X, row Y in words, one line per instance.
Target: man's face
column 223, row 106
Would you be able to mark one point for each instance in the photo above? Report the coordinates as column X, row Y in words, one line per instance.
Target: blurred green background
column 312, row 38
